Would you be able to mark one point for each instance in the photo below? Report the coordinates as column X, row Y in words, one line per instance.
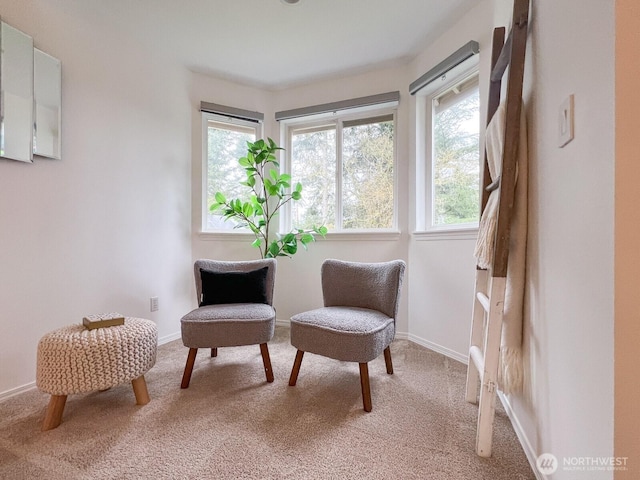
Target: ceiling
column 270, row 44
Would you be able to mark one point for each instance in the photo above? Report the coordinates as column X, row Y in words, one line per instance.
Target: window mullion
column 339, row 175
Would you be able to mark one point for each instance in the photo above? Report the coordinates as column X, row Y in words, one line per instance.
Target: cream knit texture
column 74, row 359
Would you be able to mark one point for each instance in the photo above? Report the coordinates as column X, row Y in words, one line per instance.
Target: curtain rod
column 341, row 105
column 231, row 112
column 468, row 50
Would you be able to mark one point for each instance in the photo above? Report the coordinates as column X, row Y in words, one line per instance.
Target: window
column 225, row 142
column 455, row 154
column 346, row 166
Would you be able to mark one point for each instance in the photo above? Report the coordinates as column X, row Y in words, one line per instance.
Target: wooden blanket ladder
column 488, row 307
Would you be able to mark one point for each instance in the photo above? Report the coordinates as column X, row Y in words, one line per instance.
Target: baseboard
column 282, row 322
column 169, row 338
column 17, row 391
column 529, row 451
column 447, row 352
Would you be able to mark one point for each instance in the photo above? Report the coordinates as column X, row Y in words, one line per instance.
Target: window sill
column 457, row 234
column 363, row 235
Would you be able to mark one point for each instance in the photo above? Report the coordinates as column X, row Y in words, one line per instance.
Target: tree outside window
column 347, row 169
column 455, row 155
column 226, row 143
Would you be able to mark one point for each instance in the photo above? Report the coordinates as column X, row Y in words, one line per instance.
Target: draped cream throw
column 510, row 370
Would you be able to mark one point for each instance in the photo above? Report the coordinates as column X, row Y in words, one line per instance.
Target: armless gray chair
column 235, row 308
column 357, row 322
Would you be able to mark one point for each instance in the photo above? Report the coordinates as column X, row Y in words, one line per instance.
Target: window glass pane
column 226, row 144
column 313, row 163
column 456, row 161
column 367, row 176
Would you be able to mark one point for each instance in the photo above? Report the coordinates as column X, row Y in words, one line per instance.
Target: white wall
column 567, row 409
column 441, row 279
column 108, row 225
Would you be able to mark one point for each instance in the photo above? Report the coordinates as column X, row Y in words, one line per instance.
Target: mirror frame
column 16, row 94
column 47, row 105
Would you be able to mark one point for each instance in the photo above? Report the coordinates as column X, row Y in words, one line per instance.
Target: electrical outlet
column 154, row 304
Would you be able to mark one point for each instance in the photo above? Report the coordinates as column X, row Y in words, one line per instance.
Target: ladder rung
column 484, row 301
column 478, row 359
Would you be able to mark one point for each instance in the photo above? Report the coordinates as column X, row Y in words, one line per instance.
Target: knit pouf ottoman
column 74, row 359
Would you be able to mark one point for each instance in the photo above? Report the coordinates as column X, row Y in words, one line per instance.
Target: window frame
column 229, row 120
column 425, row 149
column 337, row 120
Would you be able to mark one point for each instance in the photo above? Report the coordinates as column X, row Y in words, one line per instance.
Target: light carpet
column 231, row 424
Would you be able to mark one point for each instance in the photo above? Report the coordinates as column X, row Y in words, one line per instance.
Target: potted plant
column 269, row 191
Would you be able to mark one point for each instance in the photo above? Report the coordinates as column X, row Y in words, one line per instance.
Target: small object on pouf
column 102, row 320
column 74, row 359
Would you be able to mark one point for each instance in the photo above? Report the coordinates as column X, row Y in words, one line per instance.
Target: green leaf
column 214, row 206
column 296, row 195
column 220, row 198
column 306, row 238
column 244, row 162
column 257, row 242
column 247, row 209
column 298, row 187
column 274, row 249
column 288, row 238
column 321, row 230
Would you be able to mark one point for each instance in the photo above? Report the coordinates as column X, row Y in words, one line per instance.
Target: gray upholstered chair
column 235, row 308
column 357, row 322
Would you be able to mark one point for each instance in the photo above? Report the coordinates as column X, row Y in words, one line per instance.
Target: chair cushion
column 234, row 287
column 350, row 334
column 228, row 325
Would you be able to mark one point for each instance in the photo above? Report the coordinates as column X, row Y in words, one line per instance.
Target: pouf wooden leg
column 53, row 417
column 140, row 390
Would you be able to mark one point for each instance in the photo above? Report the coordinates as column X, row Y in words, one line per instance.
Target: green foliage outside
column 367, row 175
column 456, row 164
column 367, row 180
column 267, row 191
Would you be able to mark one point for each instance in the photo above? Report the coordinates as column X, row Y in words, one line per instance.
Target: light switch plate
column 565, row 122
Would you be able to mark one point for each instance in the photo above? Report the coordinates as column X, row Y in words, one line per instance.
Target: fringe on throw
column 511, row 370
column 485, row 244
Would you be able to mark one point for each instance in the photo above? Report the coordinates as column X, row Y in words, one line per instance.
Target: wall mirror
column 47, row 102
column 16, row 94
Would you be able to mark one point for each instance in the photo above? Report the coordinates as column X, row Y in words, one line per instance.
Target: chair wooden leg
column 140, row 390
column 53, row 417
column 296, row 368
column 186, row 376
column 387, row 360
column 214, row 352
column 366, row 389
column 266, row 360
